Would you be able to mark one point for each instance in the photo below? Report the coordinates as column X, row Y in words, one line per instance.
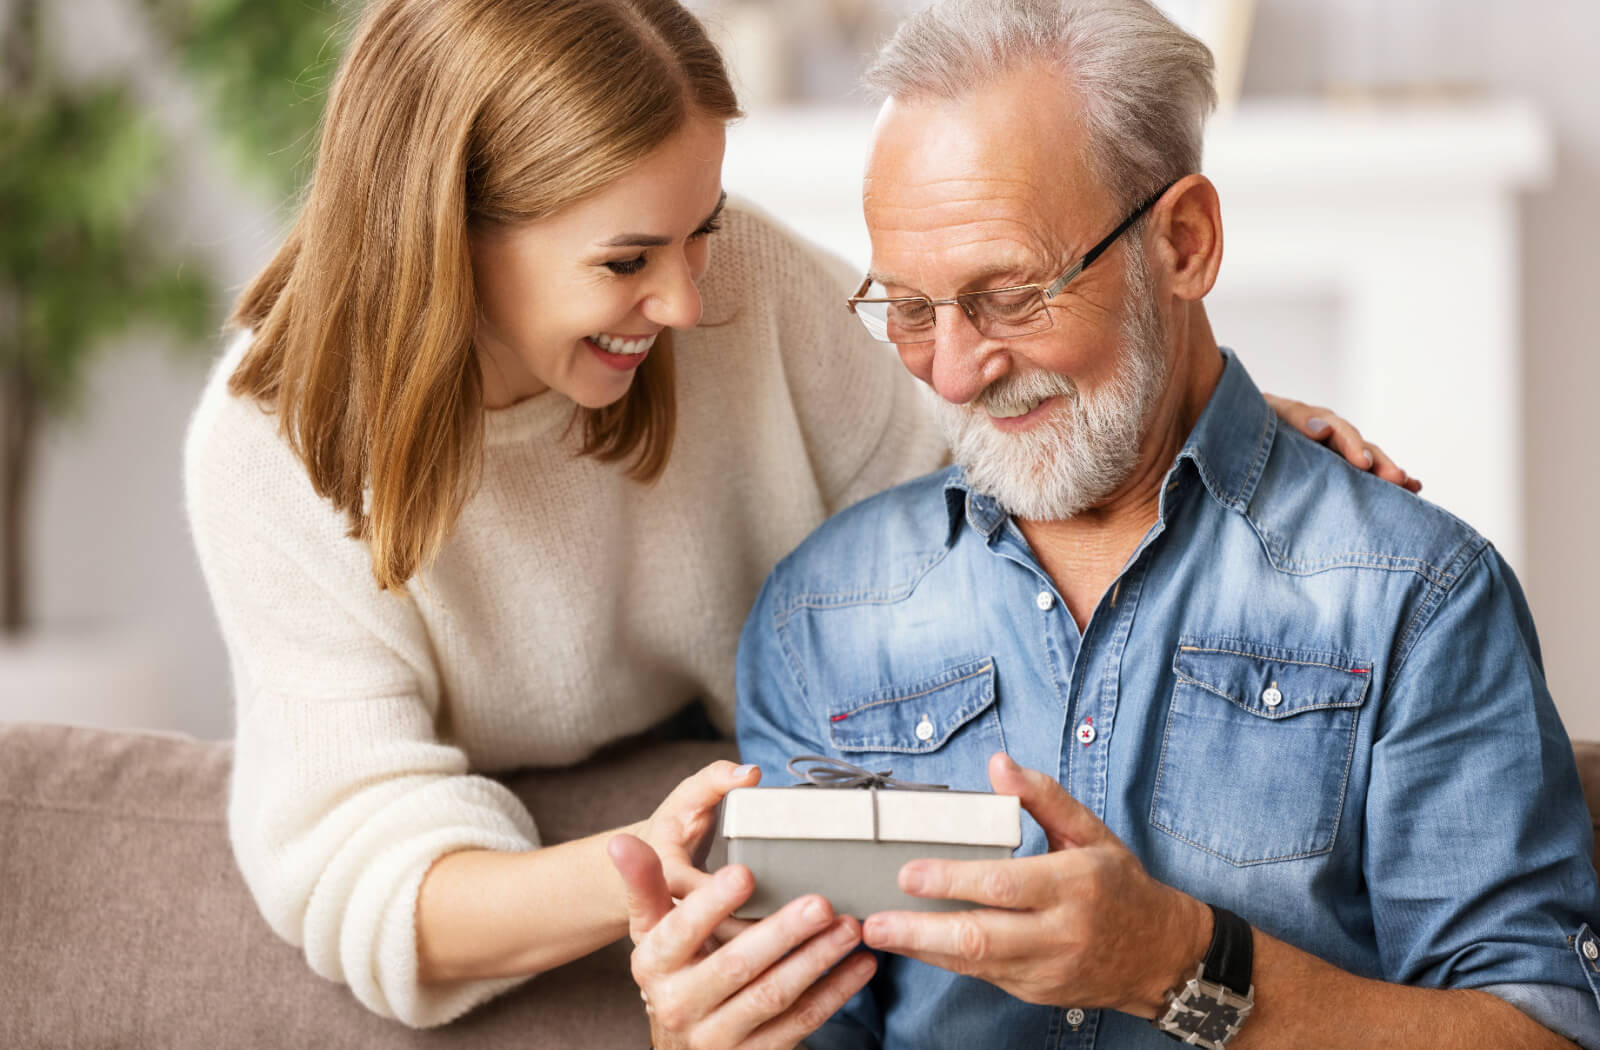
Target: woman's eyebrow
column 647, row 240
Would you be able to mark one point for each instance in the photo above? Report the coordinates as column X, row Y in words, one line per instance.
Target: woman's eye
column 626, row 267
column 714, row 226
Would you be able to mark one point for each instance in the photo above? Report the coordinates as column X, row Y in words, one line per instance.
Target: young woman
column 497, row 465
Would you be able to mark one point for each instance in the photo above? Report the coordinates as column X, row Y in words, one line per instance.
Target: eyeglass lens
column 998, row 314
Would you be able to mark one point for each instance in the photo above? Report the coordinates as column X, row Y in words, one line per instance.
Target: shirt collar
column 1232, row 438
column 1228, row 447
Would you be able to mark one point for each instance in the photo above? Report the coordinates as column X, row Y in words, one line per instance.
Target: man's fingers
column 648, row 898
column 724, row 973
column 820, row 1002
column 678, row 939
column 776, row 997
column 1065, row 820
column 1013, row 883
column 683, row 881
column 976, row 937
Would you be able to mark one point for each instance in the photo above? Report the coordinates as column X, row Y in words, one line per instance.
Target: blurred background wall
column 114, row 581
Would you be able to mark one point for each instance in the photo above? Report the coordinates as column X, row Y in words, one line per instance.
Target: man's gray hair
column 1145, row 86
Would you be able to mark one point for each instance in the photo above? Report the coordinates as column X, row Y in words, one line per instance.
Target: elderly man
column 1294, row 773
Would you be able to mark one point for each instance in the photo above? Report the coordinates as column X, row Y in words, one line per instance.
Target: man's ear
column 1187, row 231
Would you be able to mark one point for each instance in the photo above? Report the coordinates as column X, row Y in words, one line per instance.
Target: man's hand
column 1082, row 925
column 767, row 988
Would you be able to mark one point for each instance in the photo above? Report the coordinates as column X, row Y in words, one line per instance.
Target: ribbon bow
column 825, row 772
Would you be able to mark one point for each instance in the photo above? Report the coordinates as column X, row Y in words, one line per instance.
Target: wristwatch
column 1212, row 1006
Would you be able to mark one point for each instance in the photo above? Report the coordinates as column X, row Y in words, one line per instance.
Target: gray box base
column 858, row 878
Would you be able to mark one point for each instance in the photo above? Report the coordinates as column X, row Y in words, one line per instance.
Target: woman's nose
column 674, row 300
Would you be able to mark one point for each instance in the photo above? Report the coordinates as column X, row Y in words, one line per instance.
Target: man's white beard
column 1086, row 446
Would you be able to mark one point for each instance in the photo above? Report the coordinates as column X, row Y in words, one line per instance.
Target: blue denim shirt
column 1309, row 697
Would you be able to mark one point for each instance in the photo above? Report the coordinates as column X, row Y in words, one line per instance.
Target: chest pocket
column 1257, row 750
column 939, row 729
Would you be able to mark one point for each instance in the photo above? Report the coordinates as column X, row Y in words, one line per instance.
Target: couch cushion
column 125, row 922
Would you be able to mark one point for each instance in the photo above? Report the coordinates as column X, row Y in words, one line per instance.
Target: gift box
column 846, row 836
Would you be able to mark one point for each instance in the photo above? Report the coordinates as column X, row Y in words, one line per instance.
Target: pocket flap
column 1271, row 681
column 914, row 717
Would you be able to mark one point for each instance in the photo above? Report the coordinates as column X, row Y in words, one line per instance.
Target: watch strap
column 1230, row 959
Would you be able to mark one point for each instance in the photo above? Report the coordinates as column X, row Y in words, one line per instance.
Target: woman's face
column 574, row 302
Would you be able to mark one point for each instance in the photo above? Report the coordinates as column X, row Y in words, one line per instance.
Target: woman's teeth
column 613, row 345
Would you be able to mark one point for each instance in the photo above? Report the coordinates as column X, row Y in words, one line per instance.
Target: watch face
column 1206, row 1015
column 1214, row 1021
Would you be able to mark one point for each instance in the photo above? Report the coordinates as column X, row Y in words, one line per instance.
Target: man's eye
column 626, row 267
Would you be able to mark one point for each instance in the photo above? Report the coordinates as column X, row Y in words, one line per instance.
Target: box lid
column 976, row 818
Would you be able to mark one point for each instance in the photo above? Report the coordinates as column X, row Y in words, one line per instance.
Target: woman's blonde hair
column 448, row 115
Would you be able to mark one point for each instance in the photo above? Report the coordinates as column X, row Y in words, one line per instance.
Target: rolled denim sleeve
column 774, row 724
column 1478, row 837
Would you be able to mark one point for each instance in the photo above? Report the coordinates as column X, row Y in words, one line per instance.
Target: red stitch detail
column 1359, row 670
column 838, row 718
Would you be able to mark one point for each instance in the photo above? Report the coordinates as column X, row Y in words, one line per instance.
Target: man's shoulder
column 878, row 544
column 1314, row 512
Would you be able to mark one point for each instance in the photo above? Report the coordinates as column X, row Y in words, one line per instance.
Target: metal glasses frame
column 966, row 299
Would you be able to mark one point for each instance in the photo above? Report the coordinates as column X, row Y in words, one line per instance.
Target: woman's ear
column 1188, row 237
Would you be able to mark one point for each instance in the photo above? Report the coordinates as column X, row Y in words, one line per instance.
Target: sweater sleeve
column 868, row 424
column 343, row 793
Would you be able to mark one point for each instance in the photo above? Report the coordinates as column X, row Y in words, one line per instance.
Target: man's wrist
column 1178, row 950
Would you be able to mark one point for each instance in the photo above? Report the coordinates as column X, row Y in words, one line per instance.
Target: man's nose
column 673, row 300
column 964, row 360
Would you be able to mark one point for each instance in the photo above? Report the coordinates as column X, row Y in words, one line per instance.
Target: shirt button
column 1046, row 601
column 1075, row 1017
column 924, row 729
column 1590, row 952
column 1271, row 697
column 1086, row 734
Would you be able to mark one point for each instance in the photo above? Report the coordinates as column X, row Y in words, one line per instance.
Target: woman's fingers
column 684, row 816
column 1388, row 469
column 1331, row 429
column 791, row 997
column 703, row 789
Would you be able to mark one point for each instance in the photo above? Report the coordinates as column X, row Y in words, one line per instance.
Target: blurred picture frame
column 1224, row 27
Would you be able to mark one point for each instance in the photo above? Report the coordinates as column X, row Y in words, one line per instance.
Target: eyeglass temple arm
column 1111, row 238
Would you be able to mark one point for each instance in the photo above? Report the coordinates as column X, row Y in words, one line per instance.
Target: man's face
column 989, row 191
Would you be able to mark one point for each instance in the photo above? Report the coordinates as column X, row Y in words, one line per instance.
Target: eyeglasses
column 999, row 313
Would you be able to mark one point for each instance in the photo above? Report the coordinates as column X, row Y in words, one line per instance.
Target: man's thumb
column 643, row 881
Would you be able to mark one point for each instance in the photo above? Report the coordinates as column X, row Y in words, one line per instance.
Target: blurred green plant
column 81, row 258
column 263, row 67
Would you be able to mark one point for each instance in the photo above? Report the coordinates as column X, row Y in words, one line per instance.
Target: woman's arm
column 484, row 914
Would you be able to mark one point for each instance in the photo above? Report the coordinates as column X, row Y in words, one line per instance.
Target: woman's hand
column 765, row 989
column 682, row 823
column 1327, row 427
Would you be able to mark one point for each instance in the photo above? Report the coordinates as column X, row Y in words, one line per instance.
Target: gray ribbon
column 828, row 772
column 825, row 772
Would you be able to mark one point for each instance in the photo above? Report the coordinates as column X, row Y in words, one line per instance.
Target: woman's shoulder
column 757, row 252
column 235, row 455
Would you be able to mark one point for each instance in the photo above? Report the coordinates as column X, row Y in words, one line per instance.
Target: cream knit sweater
column 572, row 606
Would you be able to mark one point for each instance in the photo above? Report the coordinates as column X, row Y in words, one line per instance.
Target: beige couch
column 123, row 922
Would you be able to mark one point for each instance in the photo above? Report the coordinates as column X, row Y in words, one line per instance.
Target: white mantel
column 1406, row 219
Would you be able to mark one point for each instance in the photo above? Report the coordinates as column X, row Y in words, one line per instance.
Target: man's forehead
column 993, row 177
